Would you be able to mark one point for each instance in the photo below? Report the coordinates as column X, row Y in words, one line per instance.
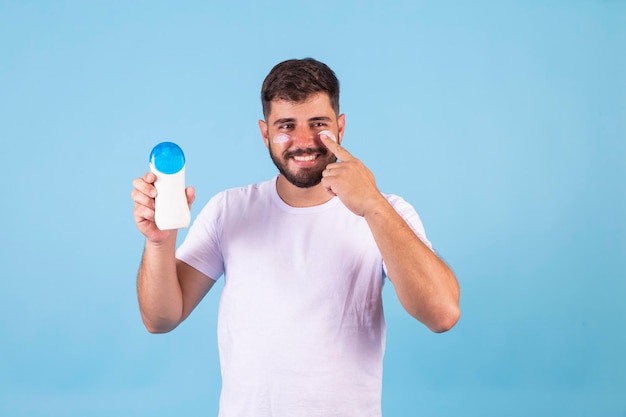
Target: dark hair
column 296, row 79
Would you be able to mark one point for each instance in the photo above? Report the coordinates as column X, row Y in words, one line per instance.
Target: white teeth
column 304, row 158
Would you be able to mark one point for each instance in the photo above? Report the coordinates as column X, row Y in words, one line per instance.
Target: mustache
column 306, row 151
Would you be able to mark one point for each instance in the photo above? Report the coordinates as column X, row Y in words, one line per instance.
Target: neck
column 301, row 197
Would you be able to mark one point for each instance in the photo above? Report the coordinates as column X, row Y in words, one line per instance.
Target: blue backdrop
column 502, row 122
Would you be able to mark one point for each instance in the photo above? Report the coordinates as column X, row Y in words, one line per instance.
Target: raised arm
column 167, row 289
column 425, row 285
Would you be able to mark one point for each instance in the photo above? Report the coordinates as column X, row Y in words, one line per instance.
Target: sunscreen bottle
column 167, row 162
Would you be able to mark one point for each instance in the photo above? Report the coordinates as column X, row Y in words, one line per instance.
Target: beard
column 303, row 177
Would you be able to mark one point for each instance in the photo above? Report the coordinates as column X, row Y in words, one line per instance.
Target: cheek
column 281, row 138
column 329, row 134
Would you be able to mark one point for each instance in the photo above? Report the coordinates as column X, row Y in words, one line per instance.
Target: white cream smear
column 329, row 134
column 281, row 138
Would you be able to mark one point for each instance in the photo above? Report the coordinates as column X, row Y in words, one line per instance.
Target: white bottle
column 167, row 162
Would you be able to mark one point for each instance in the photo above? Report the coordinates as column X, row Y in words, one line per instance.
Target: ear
column 341, row 124
column 264, row 133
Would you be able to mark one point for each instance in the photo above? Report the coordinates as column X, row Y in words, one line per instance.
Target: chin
column 301, row 181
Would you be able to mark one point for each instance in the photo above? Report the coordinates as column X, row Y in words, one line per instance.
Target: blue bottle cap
column 167, row 157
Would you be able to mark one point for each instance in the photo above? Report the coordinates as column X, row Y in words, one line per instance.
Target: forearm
column 158, row 289
column 424, row 284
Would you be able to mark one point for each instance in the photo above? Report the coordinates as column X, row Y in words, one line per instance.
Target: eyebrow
column 319, row 118
column 291, row 120
column 284, row 120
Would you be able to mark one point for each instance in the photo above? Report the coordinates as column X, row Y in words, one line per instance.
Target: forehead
column 315, row 105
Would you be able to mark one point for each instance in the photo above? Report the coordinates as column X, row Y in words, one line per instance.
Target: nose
column 305, row 138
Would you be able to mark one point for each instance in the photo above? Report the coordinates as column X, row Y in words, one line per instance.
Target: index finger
column 145, row 185
column 149, row 177
column 338, row 150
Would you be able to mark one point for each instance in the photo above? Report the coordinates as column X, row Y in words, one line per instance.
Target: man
column 304, row 256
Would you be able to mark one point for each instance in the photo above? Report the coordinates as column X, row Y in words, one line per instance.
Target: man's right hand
column 143, row 195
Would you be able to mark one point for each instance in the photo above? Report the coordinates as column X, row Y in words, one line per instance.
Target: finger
column 143, row 213
column 149, row 177
column 191, row 195
column 329, row 134
column 327, row 172
column 335, row 167
column 338, row 150
column 146, row 187
column 328, row 187
column 142, row 199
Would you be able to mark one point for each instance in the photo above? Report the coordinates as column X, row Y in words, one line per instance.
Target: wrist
column 378, row 205
column 165, row 242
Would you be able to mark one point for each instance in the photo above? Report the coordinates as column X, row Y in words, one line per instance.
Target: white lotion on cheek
column 329, row 134
column 281, row 138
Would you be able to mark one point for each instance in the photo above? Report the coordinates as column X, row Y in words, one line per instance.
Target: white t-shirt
column 301, row 330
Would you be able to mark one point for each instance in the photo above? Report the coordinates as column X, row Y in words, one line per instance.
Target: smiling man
column 304, row 256
column 301, row 166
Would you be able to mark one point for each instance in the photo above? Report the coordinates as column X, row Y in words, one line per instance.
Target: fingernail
column 329, row 134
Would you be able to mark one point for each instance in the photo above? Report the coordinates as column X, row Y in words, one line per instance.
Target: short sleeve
column 201, row 248
column 410, row 216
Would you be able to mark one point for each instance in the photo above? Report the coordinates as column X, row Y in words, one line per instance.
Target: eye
column 286, row 126
column 319, row 124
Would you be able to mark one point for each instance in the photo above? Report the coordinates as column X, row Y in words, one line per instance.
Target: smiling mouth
column 304, row 158
column 305, row 155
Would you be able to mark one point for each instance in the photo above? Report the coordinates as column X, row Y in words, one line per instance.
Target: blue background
column 502, row 122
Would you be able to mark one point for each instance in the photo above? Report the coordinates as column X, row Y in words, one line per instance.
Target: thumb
column 190, row 192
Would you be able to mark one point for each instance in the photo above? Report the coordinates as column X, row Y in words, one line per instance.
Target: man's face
column 291, row 133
